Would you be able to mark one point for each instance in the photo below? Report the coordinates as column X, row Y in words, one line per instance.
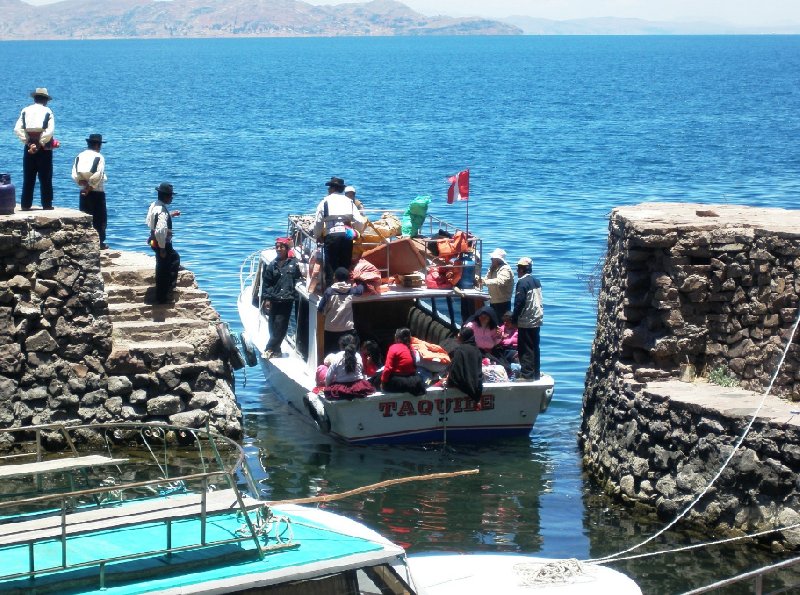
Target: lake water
column 556, row 132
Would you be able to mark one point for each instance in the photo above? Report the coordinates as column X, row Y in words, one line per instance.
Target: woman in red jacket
column 400, row 369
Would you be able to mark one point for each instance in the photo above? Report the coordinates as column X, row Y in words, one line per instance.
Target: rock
column 41, row 341
column 189, row 419
column 165, row 405
column 119, row 386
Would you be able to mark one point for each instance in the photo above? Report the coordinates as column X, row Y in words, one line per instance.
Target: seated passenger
column 337, row 305
column 371, row 356
column 344, row 378
column 484, row 325
column 400, row 370
column 508, row 330
column 466, row 368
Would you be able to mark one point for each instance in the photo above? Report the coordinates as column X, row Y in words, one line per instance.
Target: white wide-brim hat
column 498, row 253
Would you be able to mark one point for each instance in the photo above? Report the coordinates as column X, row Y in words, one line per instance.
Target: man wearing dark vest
column 35, row 128
column 168, row 262
column 89, row 172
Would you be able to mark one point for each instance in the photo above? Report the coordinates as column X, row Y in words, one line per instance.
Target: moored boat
column 433, row 313
column 147, row 508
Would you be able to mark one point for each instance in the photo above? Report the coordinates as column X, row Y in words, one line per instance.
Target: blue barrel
column 8, row 195
column 467, row 264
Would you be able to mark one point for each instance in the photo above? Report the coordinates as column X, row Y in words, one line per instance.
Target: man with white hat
column 35, row 127
column 350, row 192
column 500, row 282
column 528, row 315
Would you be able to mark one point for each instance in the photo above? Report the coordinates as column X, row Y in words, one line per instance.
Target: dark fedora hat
column 165, row 188
column 335, row 183
column 95, row 138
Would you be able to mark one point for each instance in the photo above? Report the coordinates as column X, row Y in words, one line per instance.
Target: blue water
column 556, row 132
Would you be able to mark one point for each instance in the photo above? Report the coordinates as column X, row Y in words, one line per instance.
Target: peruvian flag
column 459, row 187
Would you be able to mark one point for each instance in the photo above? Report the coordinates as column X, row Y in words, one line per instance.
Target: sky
column 730, row 12
column 735, row 12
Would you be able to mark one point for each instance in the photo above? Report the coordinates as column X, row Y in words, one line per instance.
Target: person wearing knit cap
column 499, row 280
column 278, row 294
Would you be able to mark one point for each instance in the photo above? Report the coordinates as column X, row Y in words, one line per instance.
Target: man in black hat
column 159, row 220
column 89, row 172
column 338, row 223
column 35, row 127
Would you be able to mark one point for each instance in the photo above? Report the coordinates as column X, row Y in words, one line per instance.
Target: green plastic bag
column 415, row 215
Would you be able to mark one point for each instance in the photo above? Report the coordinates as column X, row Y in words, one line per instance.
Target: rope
column 698, row 546
column 725, row 464
column 557, row 571
column 374, row 486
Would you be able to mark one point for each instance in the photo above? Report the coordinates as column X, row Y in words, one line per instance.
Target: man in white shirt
column 338, row 222
column 89, row 172
column 159, row 220
column 35, row 127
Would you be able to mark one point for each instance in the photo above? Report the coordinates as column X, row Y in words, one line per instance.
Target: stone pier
column 693, row 293
column 81, row 340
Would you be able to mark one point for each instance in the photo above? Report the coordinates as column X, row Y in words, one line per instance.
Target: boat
column 153, row 508
column 432, row 313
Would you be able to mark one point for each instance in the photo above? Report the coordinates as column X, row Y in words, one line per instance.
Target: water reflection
column 495, row 510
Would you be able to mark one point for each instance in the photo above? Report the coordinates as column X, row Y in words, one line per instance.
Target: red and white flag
column 459, row 187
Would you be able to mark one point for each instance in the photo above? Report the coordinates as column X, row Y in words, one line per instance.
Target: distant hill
column 620, row 26
column 94, row 19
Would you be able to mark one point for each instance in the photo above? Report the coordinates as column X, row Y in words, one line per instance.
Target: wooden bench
column 122, row 515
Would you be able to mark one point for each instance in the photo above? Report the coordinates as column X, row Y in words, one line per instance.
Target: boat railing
column 754, row 577
column 248, row 270
column 66, row 515
column 300, row 230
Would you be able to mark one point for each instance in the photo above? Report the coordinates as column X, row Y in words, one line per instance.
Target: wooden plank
column 55, row 465
column 125, row 515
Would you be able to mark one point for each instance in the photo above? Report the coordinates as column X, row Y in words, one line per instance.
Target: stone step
column 154, row 355
column 145, row 294
column 199, row 308
column 136, row 275
column 170, row 329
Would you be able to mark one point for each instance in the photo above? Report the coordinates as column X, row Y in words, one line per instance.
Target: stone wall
column 61, row 358
column 707, row 287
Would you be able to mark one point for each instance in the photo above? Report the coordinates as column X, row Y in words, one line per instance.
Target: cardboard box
column 399, row 257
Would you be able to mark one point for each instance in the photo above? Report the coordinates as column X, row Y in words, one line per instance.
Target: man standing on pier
column 168, row 262
column 89, row 172
column 35, row 128
column 528, row 315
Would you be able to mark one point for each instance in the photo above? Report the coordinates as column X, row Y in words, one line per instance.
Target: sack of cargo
column 415, row 215
column 449, row 248
column 442, row 276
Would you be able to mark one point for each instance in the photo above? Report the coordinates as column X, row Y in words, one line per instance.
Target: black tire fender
column 250, row 356
column 316, row 410
column 229, row 345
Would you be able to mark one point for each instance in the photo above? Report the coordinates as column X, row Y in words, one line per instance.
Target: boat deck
column 194, row 571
